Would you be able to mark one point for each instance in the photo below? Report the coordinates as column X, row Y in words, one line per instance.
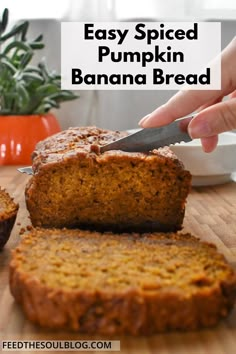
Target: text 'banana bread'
column 120, row 283
column 76, row 186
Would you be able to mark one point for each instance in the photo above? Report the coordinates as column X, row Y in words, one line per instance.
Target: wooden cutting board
column 210, row 215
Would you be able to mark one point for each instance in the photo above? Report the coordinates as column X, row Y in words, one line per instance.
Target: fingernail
column 143, row 119
column 199, row 130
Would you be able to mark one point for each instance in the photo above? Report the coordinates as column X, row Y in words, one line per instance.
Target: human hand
column 214, row 116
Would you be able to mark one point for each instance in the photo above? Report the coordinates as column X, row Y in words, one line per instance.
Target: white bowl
column 209, row 168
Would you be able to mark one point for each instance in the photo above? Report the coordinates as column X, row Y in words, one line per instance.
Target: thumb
column 214, row 120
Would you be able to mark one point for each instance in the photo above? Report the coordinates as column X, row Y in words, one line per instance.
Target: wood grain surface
column 210, row 215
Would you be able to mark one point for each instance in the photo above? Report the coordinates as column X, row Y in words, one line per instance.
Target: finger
column 233, row 94
column 210, row 103
column 185, row 102
column 214, row 120
column 209, row 144
column 181, row 104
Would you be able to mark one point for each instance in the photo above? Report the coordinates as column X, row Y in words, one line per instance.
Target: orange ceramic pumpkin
column 19, row 135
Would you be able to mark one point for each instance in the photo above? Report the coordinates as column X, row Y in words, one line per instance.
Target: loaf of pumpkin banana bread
column 108, row 283
column 8, row 213
column 74, row 185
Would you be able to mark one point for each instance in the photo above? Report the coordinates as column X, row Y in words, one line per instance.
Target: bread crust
column 137, row 308
column 8, row 213
column 76, row 186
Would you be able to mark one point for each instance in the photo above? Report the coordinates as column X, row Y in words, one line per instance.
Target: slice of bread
column 8, row 212
column 76, row 186
column 108, row 283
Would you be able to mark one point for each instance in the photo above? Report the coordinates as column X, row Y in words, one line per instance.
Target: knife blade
column 148, row 139
column 28, row 170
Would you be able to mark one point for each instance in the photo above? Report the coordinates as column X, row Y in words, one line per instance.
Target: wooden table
column 210, row 215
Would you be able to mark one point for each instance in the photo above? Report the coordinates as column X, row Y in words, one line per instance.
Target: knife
column 148, row 139
column 28, row 170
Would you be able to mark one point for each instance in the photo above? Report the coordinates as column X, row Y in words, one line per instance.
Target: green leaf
column 36, row 45
column 64, row 96
column 26, row 58
column 39, row 38
column 4, row 22
column 44, row 70
column 43, row 108
column 32, row 76
column 6, row 62
column 24, row 30
column 52, row 102
column 32, row 69
column 46, row 89
column 24, row 88
column 15, row 30
column 23, row 94
column 18, row 46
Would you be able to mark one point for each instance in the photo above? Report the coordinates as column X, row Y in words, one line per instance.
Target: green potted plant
column 27, row 94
